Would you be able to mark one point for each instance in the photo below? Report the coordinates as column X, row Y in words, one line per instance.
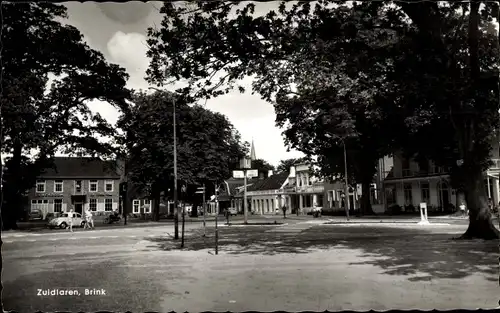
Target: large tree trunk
column 11, row 194
column 480, row 219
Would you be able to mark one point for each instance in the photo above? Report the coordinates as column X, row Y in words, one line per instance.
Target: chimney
column 269, row 173
column 292, row 171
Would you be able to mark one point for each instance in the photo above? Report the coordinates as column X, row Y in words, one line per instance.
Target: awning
column 78, row 198
column 224, row 198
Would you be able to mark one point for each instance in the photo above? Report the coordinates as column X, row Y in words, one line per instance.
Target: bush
column 410, row 208
column 394, row 209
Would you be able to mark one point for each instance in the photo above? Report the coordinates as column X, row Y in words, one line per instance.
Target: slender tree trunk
column 156, row 207
column 480, row 219
column 194, row 209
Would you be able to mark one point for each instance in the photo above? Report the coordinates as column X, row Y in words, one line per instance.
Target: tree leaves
column 36, row 46
column 208, row 146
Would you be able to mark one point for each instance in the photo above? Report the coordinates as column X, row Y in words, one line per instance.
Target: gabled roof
column 271, row 183
column 81, row 167
column 234, row 183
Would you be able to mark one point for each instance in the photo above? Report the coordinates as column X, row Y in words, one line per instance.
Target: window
column 319, row 200
column 272, row 205
column 390, row 195
column 78, row 186
column 408, row 196
column 109, row 185
column 93, row 204
column 307, row 201
column 39, row 205
column 58, row 186
column 93, row 185
column 40, row 186
column 424, row 188
column 424, row 166
column 147, row 206
column 57, row 205
column 135, row 206
column 108, row 204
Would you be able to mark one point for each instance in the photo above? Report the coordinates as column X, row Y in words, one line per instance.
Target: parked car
column 63, row 221
column 35, row 215
column 233, row 211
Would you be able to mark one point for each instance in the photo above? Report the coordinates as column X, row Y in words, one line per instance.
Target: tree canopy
column 285, row 165
column 208, row 146
column 263, row 167
column 38, row 48
column 376, row 76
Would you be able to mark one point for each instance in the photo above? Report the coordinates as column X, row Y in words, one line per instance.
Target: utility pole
column 216, row 219
column 245, row 204
column 176, row 210
column 202, row 190
column 346, row 183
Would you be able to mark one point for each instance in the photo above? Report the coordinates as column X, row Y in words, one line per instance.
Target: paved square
column 319, row 267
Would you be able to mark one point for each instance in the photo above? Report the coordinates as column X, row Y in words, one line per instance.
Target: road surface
column 302, row 265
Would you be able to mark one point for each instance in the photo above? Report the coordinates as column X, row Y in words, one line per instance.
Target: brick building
column 78, row 183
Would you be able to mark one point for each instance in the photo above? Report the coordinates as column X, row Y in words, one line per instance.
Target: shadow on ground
column 419, row 253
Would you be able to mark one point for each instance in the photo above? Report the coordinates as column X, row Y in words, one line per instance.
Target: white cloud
column 129, row 50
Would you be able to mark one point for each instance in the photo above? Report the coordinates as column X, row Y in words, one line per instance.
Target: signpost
column 123, row 196
column 423, row 214
column 183, row 190
column 245, row 165
column 216, row 219
column 202, row 190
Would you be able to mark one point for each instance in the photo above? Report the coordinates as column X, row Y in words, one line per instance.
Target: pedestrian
column 284, row 211
column 463, row 208
column 70, row 220
column 89, row 219
column 226, row 213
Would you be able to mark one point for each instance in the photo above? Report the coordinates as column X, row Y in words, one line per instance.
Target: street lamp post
column 176, row 211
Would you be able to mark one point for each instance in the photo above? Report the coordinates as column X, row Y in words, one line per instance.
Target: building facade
column 76, row 183
column 410, row 183
column 267, row 196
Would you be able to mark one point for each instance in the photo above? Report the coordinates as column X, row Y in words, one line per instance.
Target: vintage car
column 63, row 220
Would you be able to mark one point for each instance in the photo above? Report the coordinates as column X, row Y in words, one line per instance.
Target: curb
column 385, row 224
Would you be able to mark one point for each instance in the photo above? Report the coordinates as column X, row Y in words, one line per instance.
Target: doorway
column 444, row 196
column 78, row 207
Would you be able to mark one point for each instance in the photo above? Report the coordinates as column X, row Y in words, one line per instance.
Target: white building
column 409, row 183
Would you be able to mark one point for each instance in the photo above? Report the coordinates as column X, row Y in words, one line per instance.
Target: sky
column 118, row 30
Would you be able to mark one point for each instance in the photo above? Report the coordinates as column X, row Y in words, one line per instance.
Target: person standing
column 463, row 208
column 89, row 219
column 70, row 220
column 284, row 211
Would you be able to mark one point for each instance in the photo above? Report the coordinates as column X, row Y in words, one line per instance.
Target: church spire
column 252, row 152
